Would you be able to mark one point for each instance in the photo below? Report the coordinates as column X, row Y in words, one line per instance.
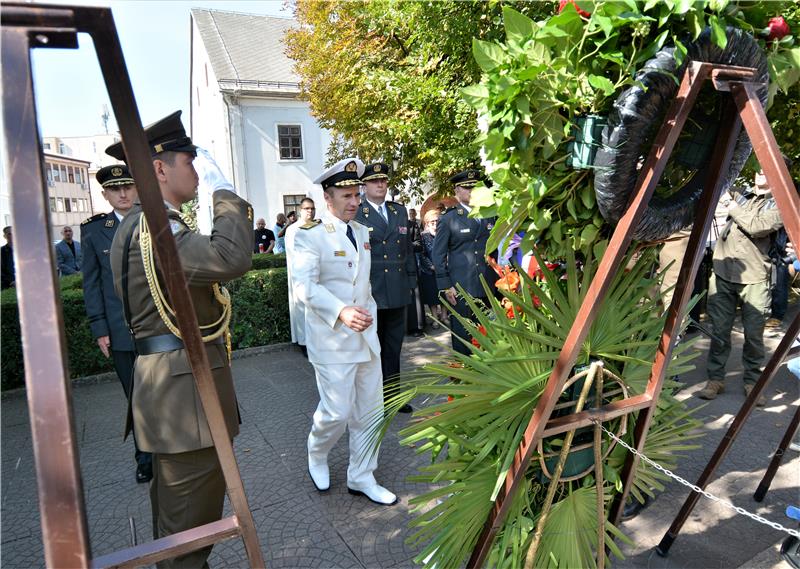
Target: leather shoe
column 320, row 476
column 406, row 409
column 375, row 493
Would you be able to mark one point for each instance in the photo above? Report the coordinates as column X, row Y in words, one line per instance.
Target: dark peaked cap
column 114, row 175
column 375, row 171
column 164, row 135
column 466, row 179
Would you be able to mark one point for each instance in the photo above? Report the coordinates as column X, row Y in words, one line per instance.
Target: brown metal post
column 720, row 160
column 64, row 528
column 665, row 141
column 766, row 481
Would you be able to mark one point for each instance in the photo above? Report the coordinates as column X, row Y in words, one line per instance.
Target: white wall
column 268, row 178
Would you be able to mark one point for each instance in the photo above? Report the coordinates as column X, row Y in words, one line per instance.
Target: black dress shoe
column 406, row 409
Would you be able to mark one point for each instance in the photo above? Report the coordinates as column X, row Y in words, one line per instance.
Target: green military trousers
column 723, row 299
column 187, row 490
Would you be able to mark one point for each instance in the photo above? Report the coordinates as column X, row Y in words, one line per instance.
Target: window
column 292, row 203
column 67, row 205
column 63, row 173
column 52, row 204
column 74, row 204
column 78, row 176
column 62, row 148
column 49, row 173
column 290, row 142
column 59, row 204
column 85, row 204
column 71, row 174
column 47, row 146
column 56, row 172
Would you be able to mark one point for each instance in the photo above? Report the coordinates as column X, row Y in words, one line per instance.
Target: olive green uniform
column 188, row 488
column 742, row 277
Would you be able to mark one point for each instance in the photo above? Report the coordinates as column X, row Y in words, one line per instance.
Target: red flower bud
column 563, row 3
column 777, row 28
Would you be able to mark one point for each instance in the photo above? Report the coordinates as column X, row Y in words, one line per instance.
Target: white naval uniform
column 328, row 275
column 297, row 319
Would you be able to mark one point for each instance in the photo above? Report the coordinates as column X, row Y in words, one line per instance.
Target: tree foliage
column 385, row 77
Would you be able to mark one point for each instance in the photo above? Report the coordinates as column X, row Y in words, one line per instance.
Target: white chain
column 709, row 495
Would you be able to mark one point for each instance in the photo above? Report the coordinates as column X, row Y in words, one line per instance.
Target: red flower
column 562, row 4
column 482, row 330
column 777, row 28
column 537, row 302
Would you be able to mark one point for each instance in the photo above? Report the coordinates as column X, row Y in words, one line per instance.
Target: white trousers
column 350, row 395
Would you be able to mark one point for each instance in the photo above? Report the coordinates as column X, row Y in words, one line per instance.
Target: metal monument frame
column 742, row 108
column 63, row 515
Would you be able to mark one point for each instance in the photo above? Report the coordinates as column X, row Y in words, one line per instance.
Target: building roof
column 64, row 157
column 247, row 51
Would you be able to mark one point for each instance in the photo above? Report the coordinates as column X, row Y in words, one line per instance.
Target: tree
column 385, row 77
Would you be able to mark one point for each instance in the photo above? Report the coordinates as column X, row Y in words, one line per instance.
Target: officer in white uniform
column 297, row 318
column 331, row 277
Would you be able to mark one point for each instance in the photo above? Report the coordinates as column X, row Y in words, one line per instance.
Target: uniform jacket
column 166, row 407
column 459, row 251
column 297, row 309
column 7, row 272
column 394, row 267
column 741, row 252
column 328, row 275
column 68, row 264
column 103, row 306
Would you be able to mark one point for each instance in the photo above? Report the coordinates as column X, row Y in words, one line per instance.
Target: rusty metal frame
column 63, row 515
column 742, row 107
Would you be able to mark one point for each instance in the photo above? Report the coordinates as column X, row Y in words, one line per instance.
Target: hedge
column 260, row 316
column 268, row 261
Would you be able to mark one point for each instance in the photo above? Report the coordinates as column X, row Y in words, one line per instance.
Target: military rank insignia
column 460, row 211
column 249, row 213
column 391, row 208
column 175, row 226
column 109, row 223
column 330, row 228
column 339, row 254
column 365, row 210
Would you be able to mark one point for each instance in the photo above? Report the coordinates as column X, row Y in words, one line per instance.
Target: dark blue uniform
column 459, row 257
column 103, row 307
column 392, row 276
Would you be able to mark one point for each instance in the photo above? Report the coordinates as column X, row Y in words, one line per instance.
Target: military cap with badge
column 164, row 135
column 344, row 173
column 114, row 175
column 376, row 171
column 466, row 178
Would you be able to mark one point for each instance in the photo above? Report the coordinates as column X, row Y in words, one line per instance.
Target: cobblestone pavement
column 299, row 527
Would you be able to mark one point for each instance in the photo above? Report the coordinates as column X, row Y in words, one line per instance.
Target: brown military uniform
column 187, row 488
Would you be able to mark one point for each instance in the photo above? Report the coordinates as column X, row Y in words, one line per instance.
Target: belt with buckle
column 163, row 343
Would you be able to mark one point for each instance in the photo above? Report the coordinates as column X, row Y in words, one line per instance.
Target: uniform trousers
column 124, row 361
column 187, row 490
column 350, row 395
column 723, row 299
column 457, row 329
column 391, row 331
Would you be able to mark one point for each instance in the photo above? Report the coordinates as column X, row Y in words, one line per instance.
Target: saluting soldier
column 103, row 306
column 394, row 268
column 297, row 310
column 459, row 254
column 188, row 487
column 331, row 276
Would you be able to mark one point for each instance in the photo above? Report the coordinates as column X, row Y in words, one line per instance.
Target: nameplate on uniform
column 465, row 230
column 330, row 228
column 402, row 229
column 339, row 254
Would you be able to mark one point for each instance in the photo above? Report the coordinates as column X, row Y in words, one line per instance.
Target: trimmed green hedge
column 260, row 317
column 268, row 261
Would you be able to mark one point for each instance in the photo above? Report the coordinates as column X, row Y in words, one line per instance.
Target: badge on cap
column 339, row 254
column 351, row 167
column 330, row 228
column 116, row 171
column 377, row 167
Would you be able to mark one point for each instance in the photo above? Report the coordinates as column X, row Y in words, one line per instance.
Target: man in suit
column 7, row 272
column 331, row 275
column 297, row 310
column 68, row 253
column 459, row 255
column 188, row 487
column 394, row 269
column 103, row 307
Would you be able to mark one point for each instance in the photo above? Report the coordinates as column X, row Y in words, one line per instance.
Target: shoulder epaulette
column 94, row 218
column 310, row 224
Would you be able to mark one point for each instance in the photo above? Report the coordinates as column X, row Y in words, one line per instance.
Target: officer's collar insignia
column 460, row 211
column 365, row 210
column 330, row 228
column 109, row 223
column 116, row 171
column 391, row 208
column 175, row 226
column 249, row 213
column 351, row 167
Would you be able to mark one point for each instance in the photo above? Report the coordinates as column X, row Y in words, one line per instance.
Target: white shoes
column 320, row 475
column 376, row 493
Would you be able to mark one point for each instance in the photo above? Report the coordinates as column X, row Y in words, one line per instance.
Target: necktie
column 383, row 212
column 351, row 237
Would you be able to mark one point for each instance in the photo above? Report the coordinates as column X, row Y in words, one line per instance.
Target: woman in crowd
column 427, row 272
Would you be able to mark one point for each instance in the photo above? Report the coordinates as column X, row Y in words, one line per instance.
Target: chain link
column 709, row 495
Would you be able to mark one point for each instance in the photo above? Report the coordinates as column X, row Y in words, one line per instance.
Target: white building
column 91, row 149
column 246, row 110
